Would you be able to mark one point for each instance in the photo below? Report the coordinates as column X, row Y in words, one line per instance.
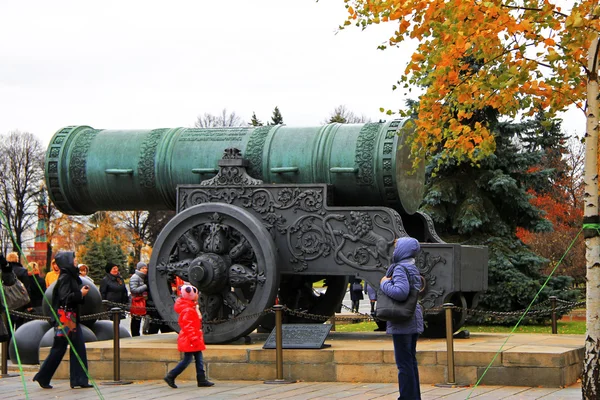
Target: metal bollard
column 554, row 322
column 450, row 343
column 279, row 345
column 451, row 382
column 4, row 361
column 116, row 350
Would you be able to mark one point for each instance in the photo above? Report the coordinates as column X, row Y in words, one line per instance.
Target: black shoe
column 84, row 386
column 42, row 385
column 170, row 381
column 202, row 381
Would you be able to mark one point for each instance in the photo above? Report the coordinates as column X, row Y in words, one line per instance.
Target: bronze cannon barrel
column 89, row 170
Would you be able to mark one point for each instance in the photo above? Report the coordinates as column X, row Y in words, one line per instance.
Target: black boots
column 170, row 381
column 202, row 381
column 42, row 385
column 200, row 378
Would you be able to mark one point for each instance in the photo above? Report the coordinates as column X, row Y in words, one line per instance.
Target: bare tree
column 219, row 121
column 21, row 174
column 344, row 116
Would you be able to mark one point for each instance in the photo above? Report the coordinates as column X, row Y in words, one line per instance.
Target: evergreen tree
column 254, row 121
column 276, row 119
column 98, row 253
column 484, row 204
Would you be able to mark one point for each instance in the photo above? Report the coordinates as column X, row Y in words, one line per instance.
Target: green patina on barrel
column 89, row 170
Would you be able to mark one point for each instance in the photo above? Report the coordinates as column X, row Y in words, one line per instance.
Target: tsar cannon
column 265, row 212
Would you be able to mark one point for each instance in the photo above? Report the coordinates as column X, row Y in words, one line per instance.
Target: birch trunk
column 590, row 382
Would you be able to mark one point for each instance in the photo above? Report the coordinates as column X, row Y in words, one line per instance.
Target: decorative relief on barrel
column 79, row 157
column 363, row 156
column 254, row 150
column 146, row 164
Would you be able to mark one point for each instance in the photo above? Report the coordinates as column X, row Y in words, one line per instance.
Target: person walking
column 191, row 338
column 66, row 298
column 356, row 294
column 138, row 286
column 400, row 277
column 112, row 287
column 52, row 275
column 38, row 288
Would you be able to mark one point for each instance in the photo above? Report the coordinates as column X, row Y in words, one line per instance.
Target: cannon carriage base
column 244, row 243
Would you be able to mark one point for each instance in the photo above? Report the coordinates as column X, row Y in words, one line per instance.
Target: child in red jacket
column 191, row 337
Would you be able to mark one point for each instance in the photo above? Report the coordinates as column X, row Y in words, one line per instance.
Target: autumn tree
column 342, row 115
column 276, row 118
column 224, row 120
column 485, row 204
column 563, row 207
column 21, row 174
column 532, row 55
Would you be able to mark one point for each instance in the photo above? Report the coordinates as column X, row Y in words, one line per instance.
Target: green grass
column 567, row 327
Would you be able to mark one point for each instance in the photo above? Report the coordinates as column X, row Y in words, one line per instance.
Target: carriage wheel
column 229, row 256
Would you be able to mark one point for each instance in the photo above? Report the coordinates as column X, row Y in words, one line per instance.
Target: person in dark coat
column 23, row 276
column 356, row 294
column 112, row 287
column 8, row 279
column 397, row 284
column 66, row 295
column 37, row 288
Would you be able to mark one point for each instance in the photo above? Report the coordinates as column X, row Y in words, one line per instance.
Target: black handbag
column 388, row 309
column 16, row 295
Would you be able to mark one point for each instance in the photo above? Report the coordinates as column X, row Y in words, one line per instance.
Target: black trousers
column 59, row 347
column 136, row 324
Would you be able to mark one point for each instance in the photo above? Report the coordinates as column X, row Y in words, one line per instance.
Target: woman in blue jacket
column 405, row 334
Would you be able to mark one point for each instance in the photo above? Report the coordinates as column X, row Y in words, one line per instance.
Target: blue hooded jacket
column 398, row 287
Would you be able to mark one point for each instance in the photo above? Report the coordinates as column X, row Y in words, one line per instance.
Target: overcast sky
column 153, row 64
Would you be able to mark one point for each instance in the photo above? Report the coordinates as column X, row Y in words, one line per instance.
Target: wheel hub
column 208, row 272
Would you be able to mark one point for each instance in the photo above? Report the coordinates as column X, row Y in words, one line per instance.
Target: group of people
column 69, row 293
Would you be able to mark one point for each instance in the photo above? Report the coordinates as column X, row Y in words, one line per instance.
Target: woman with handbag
column 66, row 298
column 139, row 293
column 402, row 277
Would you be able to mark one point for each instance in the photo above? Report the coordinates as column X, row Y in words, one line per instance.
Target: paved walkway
column 12, row 388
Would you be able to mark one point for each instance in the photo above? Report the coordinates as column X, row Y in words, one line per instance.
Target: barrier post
column 554, row 323
column 333, row 323
column 4, row 360
column 279, row 345
column 451, row 381
column 116, row 315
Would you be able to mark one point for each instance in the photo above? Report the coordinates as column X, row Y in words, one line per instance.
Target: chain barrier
column 565, row 306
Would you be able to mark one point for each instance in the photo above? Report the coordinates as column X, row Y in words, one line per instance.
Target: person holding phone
column 66, row 299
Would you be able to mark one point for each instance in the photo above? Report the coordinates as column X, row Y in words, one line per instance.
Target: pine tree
column 254, row 121
column 98, row 253
column 485, row 204
column 276, row 119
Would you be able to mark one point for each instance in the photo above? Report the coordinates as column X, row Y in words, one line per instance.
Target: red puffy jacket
column 191, row 337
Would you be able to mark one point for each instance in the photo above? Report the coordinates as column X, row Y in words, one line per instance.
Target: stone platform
column 525, row 359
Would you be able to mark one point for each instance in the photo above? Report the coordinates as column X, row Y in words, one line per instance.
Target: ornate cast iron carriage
column 265, row 212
